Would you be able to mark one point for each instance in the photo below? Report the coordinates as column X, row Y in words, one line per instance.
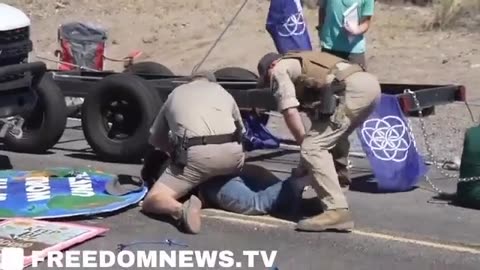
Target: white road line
column 431, row 244
column 264, row 221
column 243, row 221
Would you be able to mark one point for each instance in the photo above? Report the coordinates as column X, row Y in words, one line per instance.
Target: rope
column 65, row 63
column 470, row 111
column 196, row 67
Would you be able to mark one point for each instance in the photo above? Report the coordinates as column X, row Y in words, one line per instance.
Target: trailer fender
column 149, row 68
column 235, row 73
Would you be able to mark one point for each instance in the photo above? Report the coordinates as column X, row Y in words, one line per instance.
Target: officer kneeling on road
column 337, row 96
column 200, row 128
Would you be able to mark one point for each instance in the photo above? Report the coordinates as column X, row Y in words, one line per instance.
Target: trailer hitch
column 13, row 125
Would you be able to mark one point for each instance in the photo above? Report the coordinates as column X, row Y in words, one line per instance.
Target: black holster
column 323, row 102
column 328, row 101
column 180, row 152
column 181, row 145
column 239, row 132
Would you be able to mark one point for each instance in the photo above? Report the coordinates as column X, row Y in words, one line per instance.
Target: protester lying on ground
column 205, row 141
column 255, row 191
column 337, row 96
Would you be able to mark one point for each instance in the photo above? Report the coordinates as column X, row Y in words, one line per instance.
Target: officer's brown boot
column 190, row 218
column 336, row 219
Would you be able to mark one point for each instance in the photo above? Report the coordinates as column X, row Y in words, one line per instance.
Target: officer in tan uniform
column 337, row 96
column 200, row 127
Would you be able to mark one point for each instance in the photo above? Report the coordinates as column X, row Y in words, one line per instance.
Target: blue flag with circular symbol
column 287, row 26
column 388, row 141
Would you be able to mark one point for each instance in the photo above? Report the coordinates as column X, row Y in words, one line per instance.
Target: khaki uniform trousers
column 203, row 163
column 331, row 135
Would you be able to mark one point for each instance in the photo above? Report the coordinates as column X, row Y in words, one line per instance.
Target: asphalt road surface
column 411, row 230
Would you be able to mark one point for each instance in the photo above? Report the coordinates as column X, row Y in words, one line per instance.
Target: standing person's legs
column 356, row 58
column 359, row 59
column 341, row 151
column 317, row 159
column 340, row 154
column 362, row 90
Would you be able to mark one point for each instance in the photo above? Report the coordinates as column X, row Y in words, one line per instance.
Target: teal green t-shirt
column 333, row 35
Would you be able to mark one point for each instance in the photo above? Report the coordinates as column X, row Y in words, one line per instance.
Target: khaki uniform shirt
column 284, row 74
column 199, row 108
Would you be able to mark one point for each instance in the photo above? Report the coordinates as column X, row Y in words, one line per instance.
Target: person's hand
column 353, row 28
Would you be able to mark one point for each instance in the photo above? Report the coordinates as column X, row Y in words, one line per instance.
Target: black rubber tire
column 146, row 104
column 149, row 68
column 235, row 73
column 46, row 124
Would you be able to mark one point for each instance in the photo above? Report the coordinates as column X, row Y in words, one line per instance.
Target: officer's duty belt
column 212, row 139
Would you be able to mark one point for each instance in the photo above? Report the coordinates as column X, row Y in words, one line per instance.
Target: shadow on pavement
column 367, row 184
column 452, row 200
column 4, row 147
column 364, row 183
column 93, row 217
column 164, row 219
column 5, row 163
column 93, row 157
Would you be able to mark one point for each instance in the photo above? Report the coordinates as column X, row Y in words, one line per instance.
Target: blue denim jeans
column 250, row 196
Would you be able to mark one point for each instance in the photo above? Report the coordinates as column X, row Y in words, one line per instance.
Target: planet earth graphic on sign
column 59, row 192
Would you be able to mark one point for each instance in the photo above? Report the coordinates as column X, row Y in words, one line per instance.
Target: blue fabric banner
column 287, row 26
column 59, row 192
column 390, row 146
column 257, row 135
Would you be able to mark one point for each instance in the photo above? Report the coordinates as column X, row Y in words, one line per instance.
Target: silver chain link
column 430, row 152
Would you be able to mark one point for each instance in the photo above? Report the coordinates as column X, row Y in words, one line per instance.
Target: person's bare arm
column 365, row 21
column 360, row 29
column 284, row 92
column 294, row 122
column 365, row 24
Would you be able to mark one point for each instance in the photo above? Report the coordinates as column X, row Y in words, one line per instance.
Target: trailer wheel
column 117, row 116
column 237, row 73
column 150, row 68
column 45, row 125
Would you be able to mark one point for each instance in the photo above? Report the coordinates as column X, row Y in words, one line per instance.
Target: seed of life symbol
column 388, row 138
column 293, row 26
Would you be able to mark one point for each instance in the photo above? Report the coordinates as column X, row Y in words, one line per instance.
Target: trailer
column 119, row 108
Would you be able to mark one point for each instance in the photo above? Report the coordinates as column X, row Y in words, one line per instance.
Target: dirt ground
column 179, row 33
